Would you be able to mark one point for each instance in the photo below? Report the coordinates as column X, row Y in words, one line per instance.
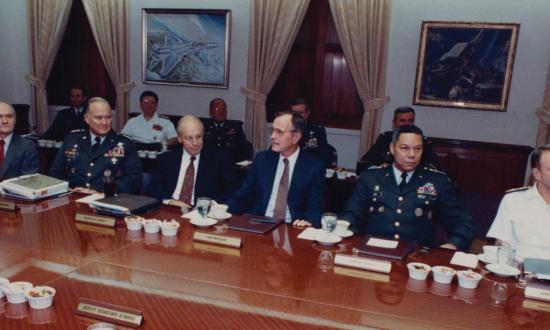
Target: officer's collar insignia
column 376, row 188
column 427, row 189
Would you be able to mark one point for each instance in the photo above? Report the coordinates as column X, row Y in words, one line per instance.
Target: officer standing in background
column 69, row 119
column 314, row 140
column 401, row 200
column 379, row 152
column 87, row 154
column 226, row 135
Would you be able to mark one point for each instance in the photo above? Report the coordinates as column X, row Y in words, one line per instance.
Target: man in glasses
column 283, row 182
column 191, row 171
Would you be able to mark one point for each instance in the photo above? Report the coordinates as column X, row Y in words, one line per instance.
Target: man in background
column 18, row 156
column 149, row 127
column 380, row 153
column 87, row 155
column 227, row 135
column 69, row 119
column 314, row 140
column 191, row 171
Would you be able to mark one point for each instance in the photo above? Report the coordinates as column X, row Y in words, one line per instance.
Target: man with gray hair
column 88, row 155
column 191, row 171
column 18, row 155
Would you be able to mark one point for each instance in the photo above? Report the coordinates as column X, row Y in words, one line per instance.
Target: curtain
column 47, row 23
column 363, row 29
column 109, row 23
column 273, row 28
column 543, row 134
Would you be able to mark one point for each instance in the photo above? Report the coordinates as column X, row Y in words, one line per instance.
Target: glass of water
column 328, row 222
column 203, row 206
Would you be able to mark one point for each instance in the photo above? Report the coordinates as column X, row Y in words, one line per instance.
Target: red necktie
column 282, row 194
column 188, row 181
column 2, row 142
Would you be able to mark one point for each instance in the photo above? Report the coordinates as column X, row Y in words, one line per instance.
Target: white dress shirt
column 185, row 161
column 143, row 130
column 278, row 174
column 397, row 175
column 7, row 141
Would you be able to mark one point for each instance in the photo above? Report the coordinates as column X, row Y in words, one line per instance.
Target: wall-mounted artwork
column 465, row 65
column 186, row 47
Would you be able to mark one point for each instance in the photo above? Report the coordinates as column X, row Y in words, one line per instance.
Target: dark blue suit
column 305, row 195
column 21, row 158
column 215, row 178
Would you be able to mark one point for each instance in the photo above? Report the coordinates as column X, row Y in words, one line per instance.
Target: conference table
column 274, row 281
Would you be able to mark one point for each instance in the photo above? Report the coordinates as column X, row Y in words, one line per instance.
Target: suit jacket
column 76, row 163
column 305, row 194
column 380, row 154
column 65, row 121
column 378, row 207
column 215, row 178
column 21, row 158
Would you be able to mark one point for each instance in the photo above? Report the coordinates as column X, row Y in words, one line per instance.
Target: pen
column 262, row 221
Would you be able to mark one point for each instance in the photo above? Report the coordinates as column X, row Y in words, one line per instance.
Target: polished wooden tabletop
column 274, row 281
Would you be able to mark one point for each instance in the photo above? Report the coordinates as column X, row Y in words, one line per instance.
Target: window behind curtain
column 78, row 61
column 317, row 70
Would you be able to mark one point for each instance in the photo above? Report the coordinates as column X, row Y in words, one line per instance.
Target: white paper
column 192, row 215
column 383, row 243
column 90, row 198
column 464, row 259
column 543, row 276
column 309, row 233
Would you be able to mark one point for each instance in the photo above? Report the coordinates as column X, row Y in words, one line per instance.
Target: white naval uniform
column 523, row 220
column 141, row 130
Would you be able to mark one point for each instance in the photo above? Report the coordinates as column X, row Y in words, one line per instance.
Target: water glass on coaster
column 203, row 206
column 328, row 222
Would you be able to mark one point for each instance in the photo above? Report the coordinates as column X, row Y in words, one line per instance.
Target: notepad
column 383, row 243
column 464, row 259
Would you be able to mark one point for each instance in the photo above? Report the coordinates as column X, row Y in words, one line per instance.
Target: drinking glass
column 505, row 255
column 499, row 294
column 328, row 222
column 203, row 206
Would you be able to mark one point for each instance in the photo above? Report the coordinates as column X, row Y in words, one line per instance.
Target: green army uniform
column 378, row 207
column 78, row 164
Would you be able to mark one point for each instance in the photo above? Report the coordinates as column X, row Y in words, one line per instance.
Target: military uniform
column 378, row 207
column 65, row 121
column 522, row 221
column 314, row 141
column 379, row 152
column 154, row 130
column 229, row 137
column 76, row 163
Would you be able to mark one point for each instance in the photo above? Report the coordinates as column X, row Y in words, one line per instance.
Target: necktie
column 188, row 181
column 96, row 145
column 282, row 193
column 2, row 142
column 403, row 180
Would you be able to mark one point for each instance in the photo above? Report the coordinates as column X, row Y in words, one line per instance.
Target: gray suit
column 21, row 158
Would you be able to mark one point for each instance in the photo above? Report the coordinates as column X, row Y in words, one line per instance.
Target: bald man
column 191, row 171
column 18, row 156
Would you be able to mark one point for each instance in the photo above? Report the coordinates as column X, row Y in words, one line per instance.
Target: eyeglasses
column 279, row 132
column 192, row 138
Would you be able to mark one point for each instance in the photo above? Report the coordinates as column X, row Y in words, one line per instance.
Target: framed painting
column 465, row 65
column 186, row 47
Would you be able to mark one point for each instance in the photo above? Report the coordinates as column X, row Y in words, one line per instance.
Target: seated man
column 18, row 155
column 149, row 127
column 190, row 171
column 69, row 119
column 379, row 152
column 399, row 201
column 314, row 140
column 87, row 154
column 283, row 182
column 226, row 135
column 523, row 215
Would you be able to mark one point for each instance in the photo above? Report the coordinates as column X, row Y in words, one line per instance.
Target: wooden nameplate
column 234, row 242
column 95, row 219
column 109, row 312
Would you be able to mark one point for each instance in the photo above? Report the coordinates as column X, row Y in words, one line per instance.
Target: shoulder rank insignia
column 77, row 130
column 377, row 167
column 431, row 168
column 517, row 189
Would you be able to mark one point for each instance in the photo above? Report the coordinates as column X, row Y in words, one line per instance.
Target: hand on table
column 298, row 223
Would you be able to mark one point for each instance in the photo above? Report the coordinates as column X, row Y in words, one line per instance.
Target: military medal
column 114, row 160
column 376, row 188
column 380, row 209
column 418, row 212
column 371, row 209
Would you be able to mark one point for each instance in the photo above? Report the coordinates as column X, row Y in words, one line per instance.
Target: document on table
column 382, row 243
